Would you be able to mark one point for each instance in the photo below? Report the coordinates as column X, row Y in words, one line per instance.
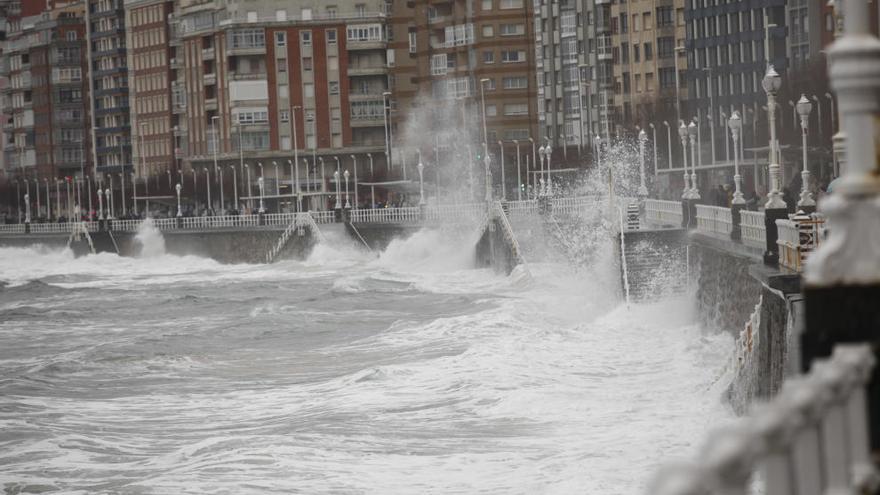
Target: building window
column 489, row 57
column 487, row 4
column 70, row 35
column 649, row 52
column 306, row 37
column 515, row 83
column 512, row 29
column 308, row 90
column 284, row 115
column 334, row 87
column 491, row 110
column 511, row 4
column 246, row 38
column 488, row 31
column 307, row 64
column 245, row 117
column 282, row 64
column 412, row 41
column 331, row 11
column 331, row 36
column 509, row 56
column 637, row 54
column 280, row 39
column 516, row 109
column 364, row 32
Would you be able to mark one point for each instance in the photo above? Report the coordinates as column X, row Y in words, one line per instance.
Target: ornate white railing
column 469, row 212
column 789, row 244
column 714, row 219
column 663, row 212
column 386, row 215
column 520, row 209
column 13, row 228
column 507, row 232
column 754, row 233
column 327, row 216
column 299, row 220
column 813, row 438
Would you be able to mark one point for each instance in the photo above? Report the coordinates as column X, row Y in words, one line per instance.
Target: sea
column 403, row 371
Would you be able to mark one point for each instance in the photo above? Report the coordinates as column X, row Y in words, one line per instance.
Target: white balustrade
column 788, row 240
column 320, row 217
column 812, row 438
column 754, row 233
column 663, row 212
column 386, row 215
column 522, row 209
column 714, row 219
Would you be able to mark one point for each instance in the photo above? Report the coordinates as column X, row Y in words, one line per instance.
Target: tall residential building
column 108, row 82
column 44, row 101
column 151, row 72
column 729, row 46
column 450, row 53
column 571, row 65
column 264, row 78
column 648, row 62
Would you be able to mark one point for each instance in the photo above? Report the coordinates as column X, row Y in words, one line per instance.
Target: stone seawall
column 494, row 251
column 760, row 306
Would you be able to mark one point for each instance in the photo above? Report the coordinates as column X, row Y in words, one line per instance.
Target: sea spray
column 151, row 240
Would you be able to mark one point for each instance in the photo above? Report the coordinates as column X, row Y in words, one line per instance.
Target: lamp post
column 58, row 199
column 89, row 190
column 177, row 188
column 833, row 111
column 654, row 145
column 208, row 187
column 421, row 168
column 277, row 182
column 668, row 143
column 372, row 181
column 108, row 194
column 695, row 190
column 323, row 175
column 534, row 163
column 247, row 182
column 49, row 200
column 215, row 146
column 18, row 198
column 37, row 188
column 643, row 189
column 354, row 163
column 771, row 84
column 806, row 203
column 235, row 185
column 819, row 120
column 543, row 189
column 738, row 203
column 386, row 109
column 260, row 184
column 134, row 197
column 338, row 205
column 549, row 152
column 775, row 208
column 485, row 133
column 27, row 208
column 294, row 172
column 222, row 199
column 519, row 184
column 122, row 180
column 100, row 205
column 69, row 200
column 723, row 122
column 347, row 202
column 503, row 176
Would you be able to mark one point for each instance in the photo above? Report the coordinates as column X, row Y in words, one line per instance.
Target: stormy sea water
column 410, row 372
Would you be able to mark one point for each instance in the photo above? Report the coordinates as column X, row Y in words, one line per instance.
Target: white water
column 151, row 241
column 344, row 373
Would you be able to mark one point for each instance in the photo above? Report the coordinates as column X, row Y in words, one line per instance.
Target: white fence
column 714, row 219
column 466, row 212
column 408, row 214
column 663, row 212
column 754, row 233
column 521, row 209
column 813, row 438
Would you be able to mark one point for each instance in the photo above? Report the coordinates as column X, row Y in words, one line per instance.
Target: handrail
column 663, row 212
column 754, row 232
column 507, row 231
column 714, row 219
column 814, row 435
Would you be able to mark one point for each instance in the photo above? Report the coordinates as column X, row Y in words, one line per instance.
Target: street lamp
column 354, row 163
column 260, row 184
column 668, row 144
column 543, row 188
column 421, row 168
column 294, row 171
column 347, row 202
column 534, row 162
column 208, row 187
column 548, row 151
column 101, row 204
column 806, row 203
column 833, row 111
column 819, row 120
column 735, row 126
column 372, row 180
column 179, row 210
column 654, row 145
column 27, row 208
column 485, row 133
column 518, row 173
column 338, row 204
column 692, row 133
column 643, row 189
column 386, row 109
column 771, row 84
column 235, row 185
column 247, row 182
column 503, row 176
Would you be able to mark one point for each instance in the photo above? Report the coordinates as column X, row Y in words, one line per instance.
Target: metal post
column 89, row 183
column 111, row 205
column 534, row 162
column 775, row 208
column 738, row 203
column 643, row 188
column 37, row 188
column 372, row 181
column 519, row 184
column 208, row 188
column 277, row 181
column 338, row 205
column 347, row 202
column 260, row 184
column 654, row 145
column 692, row 133
column 355, row 166
column 668, row 143
column 122, row 178
column 806, row 203
column 48, row 200
column 177, row 188
column 503, row 176
column 235, row 185
column 549, row 152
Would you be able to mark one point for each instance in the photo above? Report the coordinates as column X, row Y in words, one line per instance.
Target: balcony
column 370, row 70
column 369, row 121
column 365, row 97
column 209, row 79
column 208, row 53
column 246, row 50
column 211, row 104
column 366, row 45
column 247, row 77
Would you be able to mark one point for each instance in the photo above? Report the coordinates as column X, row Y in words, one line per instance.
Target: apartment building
column 450, row 53
column 151, row 72
column 108, row 87
column 44, row 102
column 262, row 79
column 649, row 60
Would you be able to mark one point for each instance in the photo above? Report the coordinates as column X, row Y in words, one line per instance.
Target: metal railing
column 408, row 214
column 663, row 212
column 507, row 232
column 320, row 217
column 569, row 206
column 714, row 219
column 521, row 209
column 812, row 438
column 466, row 212
column 299, row 221
column 754, row 233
